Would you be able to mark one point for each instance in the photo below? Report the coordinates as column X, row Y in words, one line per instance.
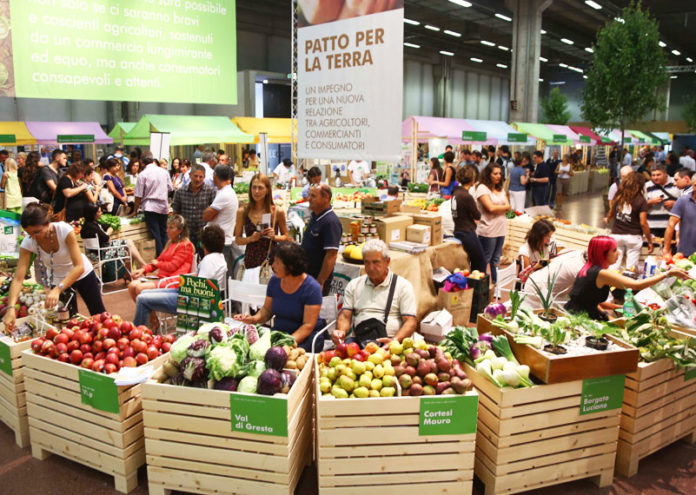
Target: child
column 13, row 191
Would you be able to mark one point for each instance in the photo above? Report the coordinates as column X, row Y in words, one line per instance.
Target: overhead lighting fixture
column 619, row 19
column 461, row 3
column 265, row 81
column 411, row 22
column 543, row 59
column 411, row 45
column 449, row 54
column 690, row 60
column 565, row 66
column 487, row 43
column 676, row 52
column 502, row 66
column 584, row 76
column 541, row 80
column 567, row 41
column 503, row 17
column 543, row 31
column 432, row 28
column 477, row 60
column 556, row 83
column 453, row 33
column 504, row 48
column 672, row 77
column 575, row 69
column 589, row 50
column 592, row 4
column 662, row 44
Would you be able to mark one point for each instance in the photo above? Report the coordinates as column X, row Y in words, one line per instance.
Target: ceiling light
column 690, row 60
column 411, row 22
column 584, row 76
column 594, row 5
column 502, row 66
column 672, row 77
column 541, row 80
column 432, row 28
column 543, row 59
column 462, row 3
column 676, row 52
column 449, row 54
column 265, row 81
column 575, row 69
column 556, row 83
column 662, row 44
column 543, row 31
column 411, row 45
column 505, row 48
column 619, row 19
column 589, row 50
column 487, row 43
column 453, row 33
column 565, row 66
column 503, row 17
column 477, row 60
column 567, row 41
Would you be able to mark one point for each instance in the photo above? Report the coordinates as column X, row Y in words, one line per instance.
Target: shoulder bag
column 373, row 329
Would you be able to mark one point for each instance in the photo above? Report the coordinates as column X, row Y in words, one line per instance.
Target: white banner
column 350, row 84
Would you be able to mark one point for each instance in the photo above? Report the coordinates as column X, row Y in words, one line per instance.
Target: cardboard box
column 374, row 207
column 433, row 220
column 418, row 233
column 392, row 229
column 436, row 325
column 410, row 209
column 457, row 303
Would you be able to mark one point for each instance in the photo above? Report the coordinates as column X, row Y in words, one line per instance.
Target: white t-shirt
column 628, row 159
column 208, row 175
column 359, row 170
column 284, row 173
column 226, row 204
column 62, row 263
column 613, row 189
column 214, row 266
column 687, row 162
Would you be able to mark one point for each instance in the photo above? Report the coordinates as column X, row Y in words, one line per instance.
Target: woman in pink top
column 175, row 260
column 493, row 203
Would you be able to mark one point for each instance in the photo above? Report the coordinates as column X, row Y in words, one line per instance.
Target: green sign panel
column 75, row 138
column 560, row 138
column 5, row 359
column 448, row 415
column 517, row 137
column 473, row 136
column 628, row 140
column 606, row 140
column 99, row 391
column 602, row 394
column 8, row 138
column 688, row 374
column 585, row 139
column 259, row 414
column 198, row 303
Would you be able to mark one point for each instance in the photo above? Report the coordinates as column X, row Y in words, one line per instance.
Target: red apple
column 64, row 358
column 141, row 358
column 166, row 346
column 352, row 349
column 69, row 332
column 61, row 338
column 129, row 362
column 123, row 342
column 85, row 338
column 36, row 345
column 114, row 332
column 143, row 328
column 76, row 356
column 105, row 315
column 128, row 352
column 73, row 344
column 47, row 347
column 98, row 365
column 85, row 348
column 110, row 368
column 109, row 343
column 147, row 338
column 61, row 349
column 99, row 355
column 341, row 350
column 73, row 323
column 117, row 319
column 98, row 345
column 113, row 350
column 94, row 327
column 87, row 363
column 111, row 357
column 126, row 327
column 51, row 333
column 170, row 338
column 152, row 352
column 87, row 355
column 85, row 324
column 135, row 333
column 108, row 322
column 139, row 346
column 103, row 333
column 157, row 340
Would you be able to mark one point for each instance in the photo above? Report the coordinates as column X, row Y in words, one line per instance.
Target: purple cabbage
column 197, row 349
column 251, row 333
column 275, row 358
column 486, row 337
column 270, row 382
column 288, row 379
column 227, row 384
column 495, row 309
column 216, row 335
column 232, row 331
column 479, row 348
column 193, row 369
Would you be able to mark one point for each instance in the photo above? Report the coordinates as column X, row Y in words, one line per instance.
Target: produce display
column 102, row 343
column 24, row 331
column 676, row 297
column 137, row 219
column 110, row 221
column 405, row 368
column 241, row 188
column 426, row 204
column 249, row 359
column 31, row 298
column 354, row 252
column 356, row 196
column 418, row 188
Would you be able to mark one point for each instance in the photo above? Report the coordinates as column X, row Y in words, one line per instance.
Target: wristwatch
column 61, row 286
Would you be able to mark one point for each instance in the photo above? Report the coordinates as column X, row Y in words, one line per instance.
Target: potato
column 291, row 365
column 302, row 361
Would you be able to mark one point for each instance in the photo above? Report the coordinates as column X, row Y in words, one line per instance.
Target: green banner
column 628, row 140
column 448, row 415
column 602, row 394
column 75, row 138
column 473, row 136
column 5, row 359
column 7, row 138
column 606, row 140
column 99, row 391
column 688, row 374
column 259, row 414
column 560, row 138
column 517, row 137
column 585, row 139
column 198, row 303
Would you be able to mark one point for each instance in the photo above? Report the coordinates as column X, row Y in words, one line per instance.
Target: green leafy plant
column 546, row 297
column 555, row 108
column 554, row 335
column 515, row 302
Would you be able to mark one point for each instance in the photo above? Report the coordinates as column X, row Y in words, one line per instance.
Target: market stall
column 120, row 130
column 15, row 134
column 278, row 130
column 58, row 133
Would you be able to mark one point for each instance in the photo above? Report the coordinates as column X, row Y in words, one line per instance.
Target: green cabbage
column 179, row 348
column 256, row 368
column 228, row 359
column 257, row 351
column 248, row 385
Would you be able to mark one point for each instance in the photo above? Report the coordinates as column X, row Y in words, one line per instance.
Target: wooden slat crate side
column 652, row 381
column 9, row 415
column 371, row 437
column 160, row 479
column 230, row 444
column 327, row 408
column 304, row 382
column 658, row 426
column 646, row 416
column 638, row 400
column 377, row 420
column 398, row 449
column 8, row 392
column 459, row 487
column 398, row 464
column 378, row 480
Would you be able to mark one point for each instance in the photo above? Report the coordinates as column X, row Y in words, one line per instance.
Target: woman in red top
column 175, row 260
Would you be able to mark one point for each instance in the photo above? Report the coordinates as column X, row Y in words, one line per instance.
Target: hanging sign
column 448, row 415
column 602, row 394
column 517, row 137
column 606, row 140
column 560, row 138
column 198, row 303
column 75, row 138
column 259, row 414
column 627, row 140
column 99, row 391
column 473, row 136
column 8, row 138
column 585, row 139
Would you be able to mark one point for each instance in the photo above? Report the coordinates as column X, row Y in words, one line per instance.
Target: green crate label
column 448, row 415
column 517, row 137
column 5, row 359
column 473, row 136
column 7, row 138
column 559, row 137
column 585, row 139
column 99, row 391
column 688, row 374
column 75, row 138
column 602, row 394
column 259, row 414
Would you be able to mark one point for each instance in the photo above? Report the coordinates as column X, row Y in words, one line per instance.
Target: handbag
column 266, row 271
column 372, row 329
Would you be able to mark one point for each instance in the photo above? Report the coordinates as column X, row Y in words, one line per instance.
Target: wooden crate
column 191, row 447
column 136, row 232
column 373, row 445
column 561, row 368
column 534, row 437
column 659, row 408
column 13, row 403
column 59, row 423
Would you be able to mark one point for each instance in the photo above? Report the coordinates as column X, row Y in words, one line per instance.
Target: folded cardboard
column 372, row 206
column 418, row 233
column 436, row 325
column 432, row 219
column 393, row 229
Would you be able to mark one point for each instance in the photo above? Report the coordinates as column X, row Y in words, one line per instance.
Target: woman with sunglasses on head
column 62, row 264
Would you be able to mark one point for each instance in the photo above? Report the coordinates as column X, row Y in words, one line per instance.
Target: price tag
column 5, row 359
column 448, row 415
column 602, row 394
column 688, row 374
column 99, row 391
column 259, row 414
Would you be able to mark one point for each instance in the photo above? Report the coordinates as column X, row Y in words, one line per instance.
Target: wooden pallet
column 659, row 408
column 190, row 445
column 13, row 403
column 534, row 437
column 373, row 445
column 60, row 424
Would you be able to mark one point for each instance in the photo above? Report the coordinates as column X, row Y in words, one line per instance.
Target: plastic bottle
column 629, row 309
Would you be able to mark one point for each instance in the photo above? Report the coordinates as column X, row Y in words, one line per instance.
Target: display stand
column 60, row 423
column 192, row 445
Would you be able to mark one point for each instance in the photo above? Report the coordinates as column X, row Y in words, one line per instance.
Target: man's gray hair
column 376, row 246
column 208, row 156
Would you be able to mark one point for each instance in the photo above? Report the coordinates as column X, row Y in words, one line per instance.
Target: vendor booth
column 58, row 133
column 120, row 130
column 15, row 134
column 186, row 129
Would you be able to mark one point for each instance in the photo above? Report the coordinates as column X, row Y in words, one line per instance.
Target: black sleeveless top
column 585, row 296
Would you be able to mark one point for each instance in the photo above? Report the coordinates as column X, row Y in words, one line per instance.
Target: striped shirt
column 658, row 215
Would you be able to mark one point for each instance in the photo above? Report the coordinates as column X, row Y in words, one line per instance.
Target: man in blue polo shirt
column 683, row 213
column 322, row 237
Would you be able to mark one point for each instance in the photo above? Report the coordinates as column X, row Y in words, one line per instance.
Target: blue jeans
column 157, row 225
column 472, row 247
column 154, row 300
column 492, row 248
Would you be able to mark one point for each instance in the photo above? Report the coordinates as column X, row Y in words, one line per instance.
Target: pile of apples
column 102, row 343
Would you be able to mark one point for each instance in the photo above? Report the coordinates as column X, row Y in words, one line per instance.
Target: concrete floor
column 672, row 470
